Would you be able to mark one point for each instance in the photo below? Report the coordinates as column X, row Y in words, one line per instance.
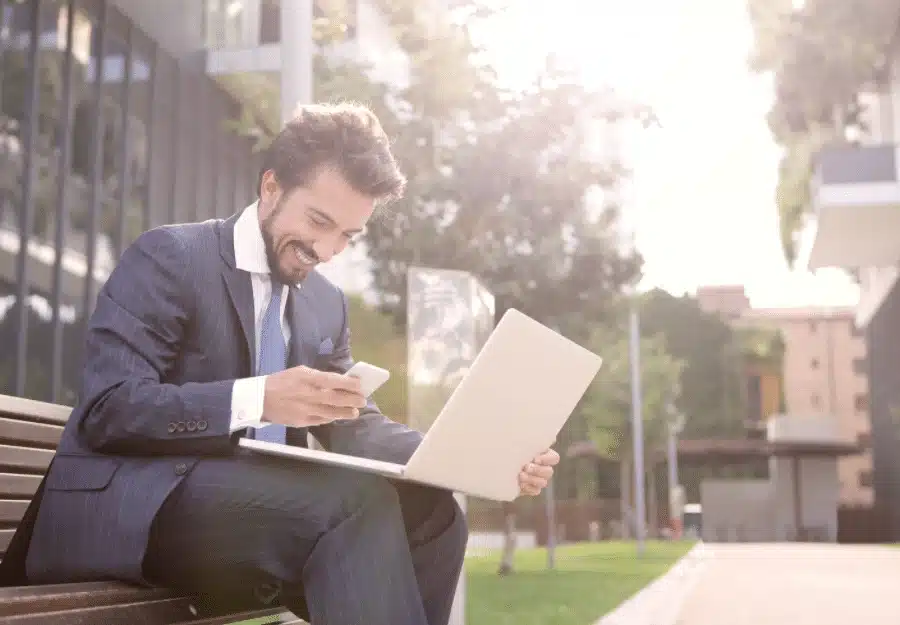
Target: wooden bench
column 29, row 433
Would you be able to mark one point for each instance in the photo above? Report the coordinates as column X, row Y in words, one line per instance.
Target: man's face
column 309, row 225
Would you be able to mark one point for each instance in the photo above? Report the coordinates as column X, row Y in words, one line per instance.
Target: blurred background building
column 114, row 118
column 824, row 373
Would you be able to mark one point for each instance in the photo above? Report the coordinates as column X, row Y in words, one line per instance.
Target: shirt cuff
column 247, row 403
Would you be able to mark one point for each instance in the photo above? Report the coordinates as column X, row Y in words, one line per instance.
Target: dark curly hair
column 346, row 137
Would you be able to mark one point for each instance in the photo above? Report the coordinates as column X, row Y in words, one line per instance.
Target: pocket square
column 326, row 347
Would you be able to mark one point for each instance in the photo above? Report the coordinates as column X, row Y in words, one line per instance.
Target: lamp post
column 637, row 427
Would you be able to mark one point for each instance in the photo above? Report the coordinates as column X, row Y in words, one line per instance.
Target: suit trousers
column 333, row 546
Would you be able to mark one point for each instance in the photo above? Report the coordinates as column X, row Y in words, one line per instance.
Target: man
column 211, row 331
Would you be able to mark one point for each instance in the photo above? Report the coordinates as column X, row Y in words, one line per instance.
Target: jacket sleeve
column 133, row 339
column 372, row 434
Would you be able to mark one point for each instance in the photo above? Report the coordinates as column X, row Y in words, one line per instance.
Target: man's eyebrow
column 326, row 217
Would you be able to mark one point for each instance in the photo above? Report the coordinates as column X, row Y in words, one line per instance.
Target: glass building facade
column 103, row 135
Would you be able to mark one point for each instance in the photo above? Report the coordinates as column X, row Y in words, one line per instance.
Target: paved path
column 795, row 584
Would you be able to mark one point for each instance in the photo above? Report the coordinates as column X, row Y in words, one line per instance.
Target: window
column 859, row 366
column 865, row 478
column 816, row 401
column 864, row 440
column 813, row 326
column 861, row 402
column 270, row 21
column 815, row 363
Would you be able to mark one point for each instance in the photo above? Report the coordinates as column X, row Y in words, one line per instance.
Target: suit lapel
column 304, row 329
column 240, row 289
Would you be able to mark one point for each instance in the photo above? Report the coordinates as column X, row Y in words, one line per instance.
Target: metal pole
column 550, row 501
column 637, row 430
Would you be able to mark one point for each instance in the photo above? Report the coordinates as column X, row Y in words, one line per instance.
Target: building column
column 250, row 24
column 797, row 484
column 296, row 55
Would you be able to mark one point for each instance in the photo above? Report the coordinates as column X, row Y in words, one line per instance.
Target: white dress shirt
column 250, row 256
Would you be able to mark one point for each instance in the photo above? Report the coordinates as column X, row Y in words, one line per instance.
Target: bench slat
column 53, row 597
column 276, row 616
column 5, row 538
column 159, row 612
column 32, row 410
column 24, row 458
column 13, row 485
column 15, row 431
column 11, row 510
column 113, row 603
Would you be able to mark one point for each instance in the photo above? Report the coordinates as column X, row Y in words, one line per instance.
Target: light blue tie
column 272, row 359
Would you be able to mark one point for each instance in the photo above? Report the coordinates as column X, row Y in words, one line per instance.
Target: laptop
column 509, row 407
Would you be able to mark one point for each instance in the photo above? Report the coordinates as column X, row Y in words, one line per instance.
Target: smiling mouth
column 303, row 257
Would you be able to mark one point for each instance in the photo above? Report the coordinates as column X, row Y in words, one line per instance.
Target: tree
column 607, row 406
column 503, row 196
column 822, row 56
column 711, row 351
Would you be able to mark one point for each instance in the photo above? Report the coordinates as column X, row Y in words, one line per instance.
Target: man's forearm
column 144, row 417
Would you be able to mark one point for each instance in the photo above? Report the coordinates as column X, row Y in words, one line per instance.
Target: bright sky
column 703, row 199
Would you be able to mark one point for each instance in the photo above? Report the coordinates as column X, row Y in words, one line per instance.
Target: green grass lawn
column 589, row 580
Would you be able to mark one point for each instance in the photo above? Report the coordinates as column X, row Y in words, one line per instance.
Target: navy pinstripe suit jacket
column 171, row 331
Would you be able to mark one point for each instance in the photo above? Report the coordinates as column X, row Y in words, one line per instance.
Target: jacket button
column 180, row 468
column 202, row 425
column 172, row 427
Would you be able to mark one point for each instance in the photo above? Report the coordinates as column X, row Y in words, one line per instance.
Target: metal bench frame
column 29, row 433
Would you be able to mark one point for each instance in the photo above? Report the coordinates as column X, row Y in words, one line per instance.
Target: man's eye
column 321, row 223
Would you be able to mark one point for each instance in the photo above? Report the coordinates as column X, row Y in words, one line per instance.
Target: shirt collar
column 249, row 247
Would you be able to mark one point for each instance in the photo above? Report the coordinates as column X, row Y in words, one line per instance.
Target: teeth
column 306, row 260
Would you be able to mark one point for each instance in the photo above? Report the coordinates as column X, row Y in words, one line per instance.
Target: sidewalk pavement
column 795, row 584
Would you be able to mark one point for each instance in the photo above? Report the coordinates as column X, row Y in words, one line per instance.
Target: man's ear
column 269, row 187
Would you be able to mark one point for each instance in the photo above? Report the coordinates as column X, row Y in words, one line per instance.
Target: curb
column 660, row 602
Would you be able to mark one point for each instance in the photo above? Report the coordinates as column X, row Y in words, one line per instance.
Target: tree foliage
column 821, row 55
column 607, row 408
column 762, row 345
column 607, row 405
column 712, row 353
column 503, row 197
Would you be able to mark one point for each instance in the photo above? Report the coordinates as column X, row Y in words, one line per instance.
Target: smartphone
column 370, row 376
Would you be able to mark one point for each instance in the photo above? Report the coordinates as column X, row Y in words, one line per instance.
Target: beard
column 279, row 272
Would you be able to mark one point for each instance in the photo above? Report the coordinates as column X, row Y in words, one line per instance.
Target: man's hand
column 301, row 397
column 534, row 476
